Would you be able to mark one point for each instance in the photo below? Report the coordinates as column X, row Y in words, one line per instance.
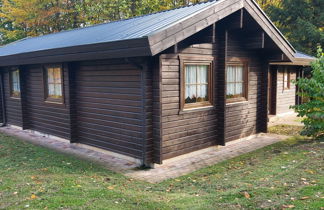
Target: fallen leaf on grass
column 304, row 198
column 310, row 171
column 33, row 196
column 288, row 206
column 110, row 187
column 246, row 195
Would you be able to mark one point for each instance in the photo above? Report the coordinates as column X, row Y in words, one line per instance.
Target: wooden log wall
column 285, row 97
column 183, row 132
column 13, row 105
column 109, row 101
column 42, row 116
column 242, row 118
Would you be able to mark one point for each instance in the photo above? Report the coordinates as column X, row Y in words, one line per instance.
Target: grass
column 288, row 130
column 286, row 174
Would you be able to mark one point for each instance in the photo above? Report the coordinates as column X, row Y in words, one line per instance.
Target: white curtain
column 54, row 82
column 235, row 80
column 202, row 80
column 191, row 79
column 196, row 82
column 15, row 81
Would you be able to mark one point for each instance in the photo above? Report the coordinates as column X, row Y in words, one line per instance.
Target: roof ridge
column 115, row 21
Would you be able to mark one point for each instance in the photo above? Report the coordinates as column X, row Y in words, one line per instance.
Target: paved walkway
column 172, row 168
column 193, row 161
column 288, row 119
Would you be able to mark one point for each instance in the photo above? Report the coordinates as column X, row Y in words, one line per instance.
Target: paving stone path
column 172, row 168
column 192, row 162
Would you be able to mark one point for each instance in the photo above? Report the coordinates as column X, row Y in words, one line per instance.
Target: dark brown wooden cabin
column 152, row 87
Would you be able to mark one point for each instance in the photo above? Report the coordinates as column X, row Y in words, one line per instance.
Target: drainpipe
column 3, row 106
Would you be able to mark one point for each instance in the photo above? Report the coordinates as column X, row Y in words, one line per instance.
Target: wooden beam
column 255, row 40
column 23, row 97
column 259, row 16
column 234, row 21
column 220, row 85
column 182, row 30
column 279, row 57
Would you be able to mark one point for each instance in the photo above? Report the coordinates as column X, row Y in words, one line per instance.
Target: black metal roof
column 145, row 35
column 133, row 28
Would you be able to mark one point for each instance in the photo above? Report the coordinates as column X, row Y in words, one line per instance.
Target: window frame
column 48, row 99
column 11, row 83
column 286, row 71
column 245, row 63
column 196, row 60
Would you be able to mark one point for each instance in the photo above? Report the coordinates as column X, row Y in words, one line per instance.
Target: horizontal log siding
column 285, row 97
column 242, row 118
column 185, row 132
column 109, row 106
column 13, row 105
column 45, row 117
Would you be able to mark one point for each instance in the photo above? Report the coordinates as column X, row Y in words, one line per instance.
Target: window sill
column 237, row 103
column 197, row 109
column 54, row 102
column 15, row 98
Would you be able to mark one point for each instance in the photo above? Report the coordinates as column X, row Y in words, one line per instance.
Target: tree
column 302, row 22
column 313, row 89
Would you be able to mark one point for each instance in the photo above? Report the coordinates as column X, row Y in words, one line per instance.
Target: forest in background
column 301, row 21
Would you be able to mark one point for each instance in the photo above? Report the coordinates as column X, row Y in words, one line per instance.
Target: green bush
column 313, row 89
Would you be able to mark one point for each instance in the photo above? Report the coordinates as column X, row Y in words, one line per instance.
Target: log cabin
column 156, row 86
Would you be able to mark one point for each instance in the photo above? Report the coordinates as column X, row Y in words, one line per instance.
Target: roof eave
column 117, row 49
column 295, row 62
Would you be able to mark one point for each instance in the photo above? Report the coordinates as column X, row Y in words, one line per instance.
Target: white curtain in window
column 231, row 80
column 235, row 80
column 202, row 80
column 191, row 80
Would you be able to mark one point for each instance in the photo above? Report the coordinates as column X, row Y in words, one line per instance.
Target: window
column 286, row 79
column 236, row 81
column 196, row 88
column 14, row 83
column 54, row 84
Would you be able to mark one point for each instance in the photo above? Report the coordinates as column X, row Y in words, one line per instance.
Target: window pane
column 15, row 83
column 192, row 94
column 286, row 82
column 202, row 74
column 202, row 93
column 50, row 78
column 230, row 73
column 235, row 81
column 196, row 83
column 191, row 74
column 58, row 90
column 239, row 74
column 57, row 75
column 239, row 89
column 51, row 90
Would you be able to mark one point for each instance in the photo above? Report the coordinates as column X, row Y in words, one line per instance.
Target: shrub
column 313, row 89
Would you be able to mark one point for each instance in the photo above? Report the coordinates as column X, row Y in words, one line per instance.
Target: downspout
column 3, row 105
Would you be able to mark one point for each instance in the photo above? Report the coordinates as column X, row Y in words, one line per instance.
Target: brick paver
column 172, row 168
column 191, row 162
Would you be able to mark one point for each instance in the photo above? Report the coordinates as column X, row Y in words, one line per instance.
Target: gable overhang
column 168, row 37
column 159, row 40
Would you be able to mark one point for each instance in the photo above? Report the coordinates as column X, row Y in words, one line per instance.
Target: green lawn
column 287, row 174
